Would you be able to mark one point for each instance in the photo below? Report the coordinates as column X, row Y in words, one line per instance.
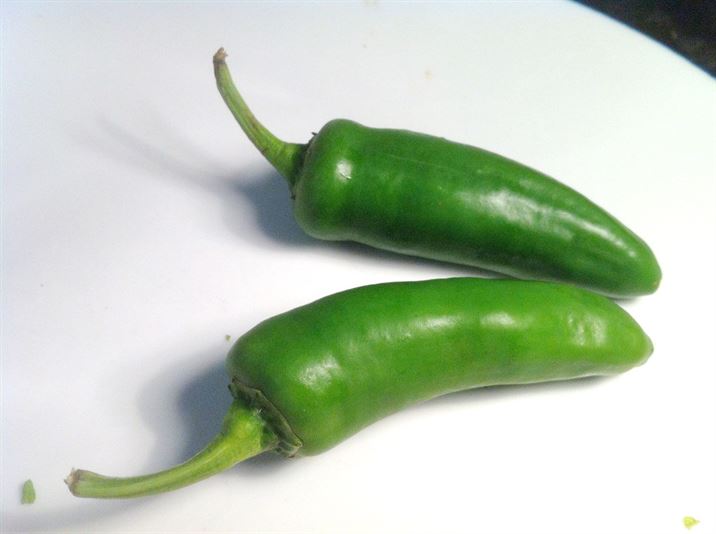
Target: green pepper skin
column 338, row 364
column 429, row 197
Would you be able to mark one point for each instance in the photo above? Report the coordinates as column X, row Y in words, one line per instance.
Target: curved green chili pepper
column 426, row 196
column 307, row 379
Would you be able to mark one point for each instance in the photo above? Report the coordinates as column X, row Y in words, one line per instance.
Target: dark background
column 688, row 26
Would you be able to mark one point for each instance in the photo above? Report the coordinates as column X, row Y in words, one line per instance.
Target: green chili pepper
column 307, row 379
column 425, row 196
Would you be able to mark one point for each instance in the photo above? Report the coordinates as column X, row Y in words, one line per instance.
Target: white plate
column 139, row 227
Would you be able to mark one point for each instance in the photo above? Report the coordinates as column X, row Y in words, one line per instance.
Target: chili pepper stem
column 285, row 157
column 244, row 434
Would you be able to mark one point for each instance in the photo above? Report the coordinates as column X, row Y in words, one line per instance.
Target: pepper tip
column 220, row 55
column 71, row 480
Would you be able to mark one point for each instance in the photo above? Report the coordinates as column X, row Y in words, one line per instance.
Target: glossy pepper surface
column 425, row 196
column 307, row 379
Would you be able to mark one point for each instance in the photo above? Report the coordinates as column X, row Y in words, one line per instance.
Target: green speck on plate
column 28, row 492
column 690, row 521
